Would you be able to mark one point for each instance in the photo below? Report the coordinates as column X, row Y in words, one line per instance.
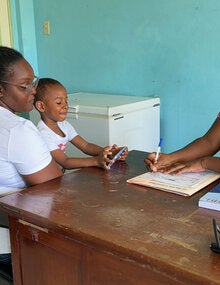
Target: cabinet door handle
column 33, row 226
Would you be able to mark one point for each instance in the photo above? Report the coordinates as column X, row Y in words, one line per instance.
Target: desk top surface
column 153, row 227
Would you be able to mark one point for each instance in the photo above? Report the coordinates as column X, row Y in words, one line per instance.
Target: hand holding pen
column 152, row 158
column 157, row 161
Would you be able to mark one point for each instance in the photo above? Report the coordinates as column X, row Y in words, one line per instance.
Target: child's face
column 55, row 103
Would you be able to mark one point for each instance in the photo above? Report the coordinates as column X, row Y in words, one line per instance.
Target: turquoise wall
column 23, row 26
column 142, row 47
column 23, row 30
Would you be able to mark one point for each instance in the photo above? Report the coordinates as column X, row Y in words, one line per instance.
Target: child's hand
column 116, row 149
column 104, row 158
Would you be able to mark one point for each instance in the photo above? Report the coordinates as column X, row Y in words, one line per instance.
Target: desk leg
column 16, row 258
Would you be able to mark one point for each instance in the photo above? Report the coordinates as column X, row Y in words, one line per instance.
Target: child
column 51, row 102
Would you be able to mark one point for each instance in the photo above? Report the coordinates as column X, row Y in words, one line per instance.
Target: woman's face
column 16, row 98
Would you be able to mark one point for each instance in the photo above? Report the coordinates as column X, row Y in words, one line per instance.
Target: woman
column 195, row 157
column 24, row 157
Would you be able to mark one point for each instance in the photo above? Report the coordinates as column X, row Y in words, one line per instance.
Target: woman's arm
column 51, row 171
column 205, row 146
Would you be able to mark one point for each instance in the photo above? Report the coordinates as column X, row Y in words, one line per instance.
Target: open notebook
column 185, row 184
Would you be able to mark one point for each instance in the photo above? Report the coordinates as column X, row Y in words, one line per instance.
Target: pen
column 158, row 149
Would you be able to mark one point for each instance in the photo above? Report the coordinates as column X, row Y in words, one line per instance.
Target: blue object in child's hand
column 116, row 157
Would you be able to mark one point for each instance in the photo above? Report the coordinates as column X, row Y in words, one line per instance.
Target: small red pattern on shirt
column 62, row 147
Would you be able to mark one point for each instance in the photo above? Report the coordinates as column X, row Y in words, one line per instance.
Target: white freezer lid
column 108, row 104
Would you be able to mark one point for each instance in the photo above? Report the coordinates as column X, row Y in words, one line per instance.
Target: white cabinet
column 105, row 119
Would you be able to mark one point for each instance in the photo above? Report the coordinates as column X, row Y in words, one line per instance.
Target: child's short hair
column 42, row 88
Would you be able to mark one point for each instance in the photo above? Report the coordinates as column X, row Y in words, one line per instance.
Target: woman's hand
column 193, row 166
column 164, row 161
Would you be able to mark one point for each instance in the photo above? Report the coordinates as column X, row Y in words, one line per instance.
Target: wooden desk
column 92, row 228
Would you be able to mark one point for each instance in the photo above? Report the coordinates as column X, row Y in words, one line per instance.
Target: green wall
column 142, row 47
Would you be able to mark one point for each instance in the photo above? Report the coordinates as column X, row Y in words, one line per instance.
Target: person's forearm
column 73, row 163
column 93, row 149
column 196, row 149
column 211, row 163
